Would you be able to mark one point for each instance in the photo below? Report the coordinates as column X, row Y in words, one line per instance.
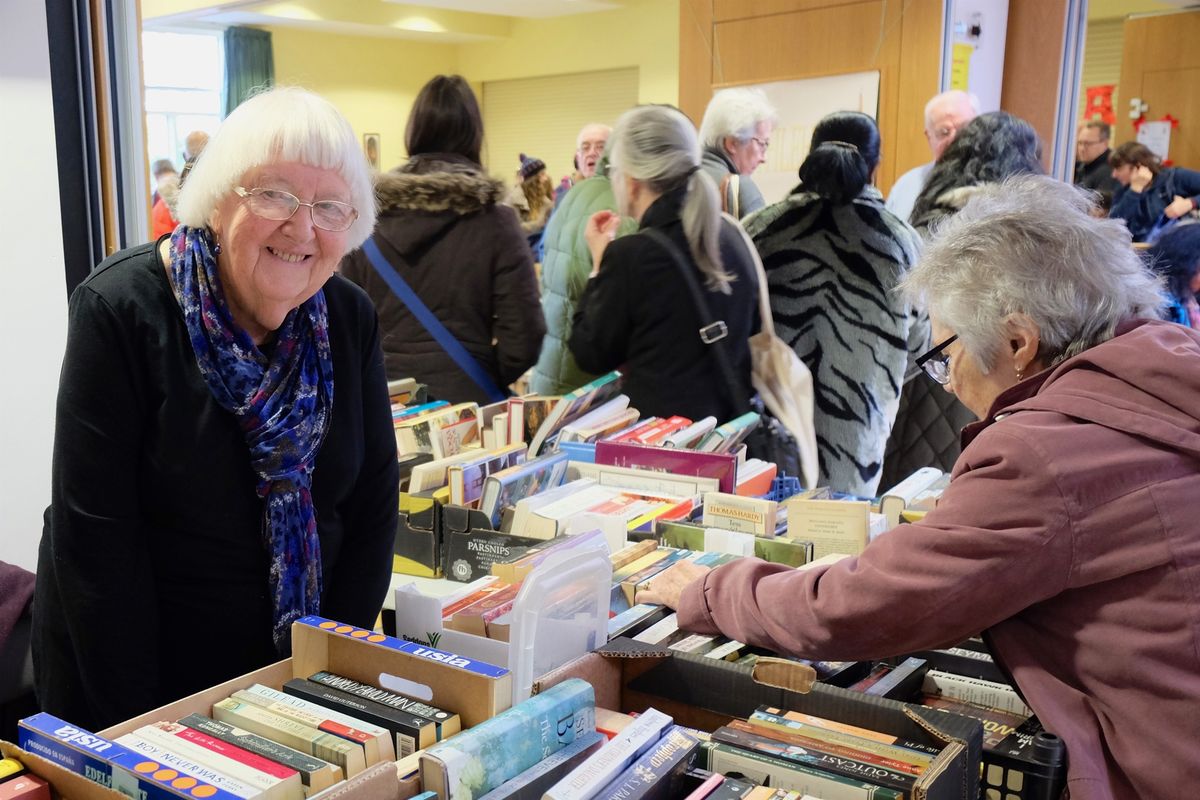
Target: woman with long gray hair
column 637, row 311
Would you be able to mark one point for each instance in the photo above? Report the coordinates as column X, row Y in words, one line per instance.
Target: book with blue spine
column 656, row 773
column 107, row 763
column 590, row 777
column 485, row 756
column 533, row 782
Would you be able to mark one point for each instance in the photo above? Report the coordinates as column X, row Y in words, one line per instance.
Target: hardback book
column 315, row 773
column 347, row 755
column 833, row 526
column 184, row 761
column 507, row 487
column 467, row 477
column 780, row 773
column 926, row 483
column 997, row 723
column 481, row 758
column 656, row 774
column 602, row 768
column 743, row 514
column 574, row 405
column 975, row 690
column 849, row 766
column 409, row 731
column 275, row 781
column 376, row 741
column 728, row 437
column 690, row 436
column 852, row 736
column 722, row 466
column 533, row 782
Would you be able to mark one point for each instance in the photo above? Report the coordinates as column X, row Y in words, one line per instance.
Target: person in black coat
column 637, row 314
column 224, row 461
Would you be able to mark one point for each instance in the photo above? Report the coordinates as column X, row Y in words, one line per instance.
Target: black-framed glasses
column 276, row 204
column 937, row 363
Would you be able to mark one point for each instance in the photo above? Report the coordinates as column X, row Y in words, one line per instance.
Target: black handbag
column 770, row 440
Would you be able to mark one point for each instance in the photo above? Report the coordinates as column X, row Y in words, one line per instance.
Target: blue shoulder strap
column 445, row 338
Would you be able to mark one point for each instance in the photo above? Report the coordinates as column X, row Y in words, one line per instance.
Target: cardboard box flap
column 782, row 673
column 380, row 782
column 63, row 782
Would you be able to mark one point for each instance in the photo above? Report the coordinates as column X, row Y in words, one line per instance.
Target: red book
column 272, row 768
column 722, row 466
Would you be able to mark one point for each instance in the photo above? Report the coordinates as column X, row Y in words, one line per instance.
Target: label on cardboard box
column 402, row 646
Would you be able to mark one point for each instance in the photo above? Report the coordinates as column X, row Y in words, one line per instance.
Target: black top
column 638, row 316
column 152, row 573
column 1097, row 175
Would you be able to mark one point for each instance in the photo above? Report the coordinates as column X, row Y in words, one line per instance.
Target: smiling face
column 269, row 267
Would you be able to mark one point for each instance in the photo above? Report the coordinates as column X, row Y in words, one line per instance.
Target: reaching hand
column 1140, row 178
column 600, row 230
column 665, row 587
column 1179, row 206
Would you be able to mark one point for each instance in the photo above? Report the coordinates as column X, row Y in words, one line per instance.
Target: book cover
column 997, row 723
column 573, row 405
column 457, row 434
column 836, row 758
column 533, row 782
column 778, row 773
column 590, row 777
column 507, row 487
column 485, row 756
column 434, row 474
column 417, row 434
column 314, row 773
column 108, row 763
column 722, row 466
column 833, row 526
column 742, row 514
column 656, row 773
column 376, row 742
column 467, row 477
column 346, row 755
column 410, row 732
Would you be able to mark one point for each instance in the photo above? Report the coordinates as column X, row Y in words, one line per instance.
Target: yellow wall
column 644, row 34
column 372, row 81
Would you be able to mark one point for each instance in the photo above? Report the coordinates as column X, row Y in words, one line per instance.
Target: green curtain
column 249, row 64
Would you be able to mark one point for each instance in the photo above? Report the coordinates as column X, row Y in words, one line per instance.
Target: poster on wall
column 801, row 104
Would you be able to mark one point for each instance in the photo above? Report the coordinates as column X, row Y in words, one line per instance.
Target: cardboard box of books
column 125, row 756
column 706, row 694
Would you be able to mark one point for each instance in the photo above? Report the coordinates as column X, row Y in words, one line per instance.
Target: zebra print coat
column 831, row 273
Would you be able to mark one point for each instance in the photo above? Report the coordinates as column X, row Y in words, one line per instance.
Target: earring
column 1020, row 374
column 216, row 249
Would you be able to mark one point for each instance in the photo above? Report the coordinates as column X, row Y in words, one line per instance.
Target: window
column 184, row 74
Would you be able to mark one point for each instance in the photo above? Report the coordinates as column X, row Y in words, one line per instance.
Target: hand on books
column 601, row 229
column 665, row 588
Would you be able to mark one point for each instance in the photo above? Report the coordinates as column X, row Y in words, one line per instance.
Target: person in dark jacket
column 1151, row 195
column 1092, row 171
column 224, row 461
column 444, row 228
column 637, row 313
column 1176, row 256
column 834, row 255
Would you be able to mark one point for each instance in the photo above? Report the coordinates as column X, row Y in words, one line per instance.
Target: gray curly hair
column 1028, row 245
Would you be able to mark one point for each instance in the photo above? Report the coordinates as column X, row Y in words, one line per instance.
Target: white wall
column 33, row 303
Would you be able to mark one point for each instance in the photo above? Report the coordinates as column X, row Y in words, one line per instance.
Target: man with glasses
column 945, row 116
column 1091, row 159
column 589, row 146
column 735, row 134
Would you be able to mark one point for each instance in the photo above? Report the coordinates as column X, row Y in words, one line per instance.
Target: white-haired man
column 735, row 134
column 945, row 115
column 589, row 146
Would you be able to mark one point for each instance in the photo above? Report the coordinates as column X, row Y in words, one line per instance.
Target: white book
column 896, row 499
column 433, row 474
column 500, row 428
column 172, row 757
column 643, row 480
column 586, row 780
column 180, row 739
column 377, row 742
column 660, row 631
column 975, row 690
column 594, row 418
column 692, row 434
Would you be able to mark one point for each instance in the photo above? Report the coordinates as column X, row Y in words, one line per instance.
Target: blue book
column 483, row 757
column 581, row 452
column 533, row 782
column 506, row 487
column 590, row 777
column 656, row 773
column 108, row 763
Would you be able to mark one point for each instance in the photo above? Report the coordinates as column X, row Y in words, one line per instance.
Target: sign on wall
column 801, row 104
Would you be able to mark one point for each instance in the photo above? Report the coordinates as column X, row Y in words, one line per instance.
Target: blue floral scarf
column 283, row 405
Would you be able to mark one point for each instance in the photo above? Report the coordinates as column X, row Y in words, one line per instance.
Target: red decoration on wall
column 1100, row 105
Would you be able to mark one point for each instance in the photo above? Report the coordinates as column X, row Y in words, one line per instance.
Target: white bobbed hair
column 285, row 124
column 736, row 113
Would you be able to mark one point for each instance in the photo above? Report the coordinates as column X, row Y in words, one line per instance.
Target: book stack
column 436, row 430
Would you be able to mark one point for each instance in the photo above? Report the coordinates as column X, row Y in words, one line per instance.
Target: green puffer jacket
column 565, row 269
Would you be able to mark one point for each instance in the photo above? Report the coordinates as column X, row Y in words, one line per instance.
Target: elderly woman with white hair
column 223, row 456
column 735, row 134
column 1067, row 533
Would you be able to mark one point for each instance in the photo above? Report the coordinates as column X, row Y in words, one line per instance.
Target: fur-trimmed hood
column 438, row 182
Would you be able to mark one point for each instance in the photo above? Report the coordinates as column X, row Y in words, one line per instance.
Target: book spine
column 319, row 718
column 975, row 690
column 706, row 787
column 314, row 773
column 817, row 759
column 484, row 756
column 601, row 769
column 188, row 764
column 285, row 730
column 106, row 762
column 215, row 754
column 902, row 767
column 655, row 773
column 443, row 718
column 241, row 756
column 411, row 732
column 533, row 782
column 764, row 769
column 817, row 733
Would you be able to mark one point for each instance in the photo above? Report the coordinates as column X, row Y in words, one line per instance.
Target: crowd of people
column 243, row 457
